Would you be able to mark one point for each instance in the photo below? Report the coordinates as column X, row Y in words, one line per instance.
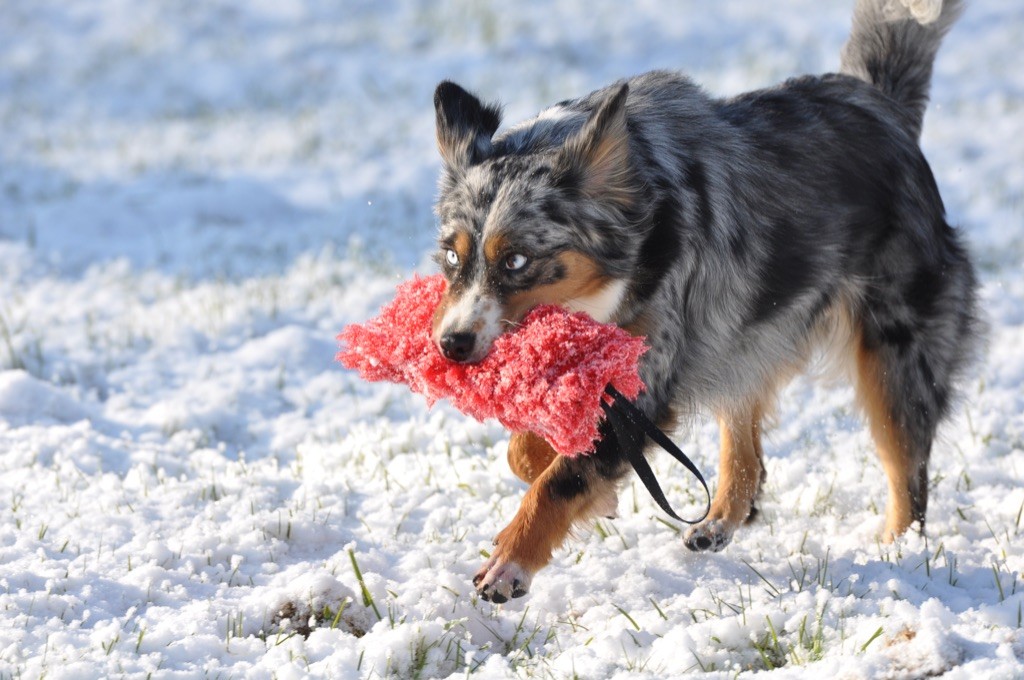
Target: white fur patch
column 601, row 305
column 541, row 125
column 475, row 179
column 557, row 113
column 474, row 313
column 923, row 11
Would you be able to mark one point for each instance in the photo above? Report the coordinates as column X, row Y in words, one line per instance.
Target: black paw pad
column 699, row 543
column 707, row 539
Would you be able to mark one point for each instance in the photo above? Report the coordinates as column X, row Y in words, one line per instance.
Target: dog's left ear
column 596, row 159
column 465, row 126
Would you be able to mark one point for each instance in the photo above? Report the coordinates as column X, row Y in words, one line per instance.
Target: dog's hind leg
column 759, row 451
column 903, row 427
column 741, row 473
column 915, row 334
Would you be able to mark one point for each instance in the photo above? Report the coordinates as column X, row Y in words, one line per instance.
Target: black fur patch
column 698, row 183
column 609, row 457
column 462, row 119
column 660, row 249
column 924, row 289
column 567, row 483
column 608, row 461
column 554, row 211
column 896, row 334
column 786, row 272
column 926, row 371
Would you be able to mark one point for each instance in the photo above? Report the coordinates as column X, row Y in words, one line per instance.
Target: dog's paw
column 711, row 535
column 497, row 580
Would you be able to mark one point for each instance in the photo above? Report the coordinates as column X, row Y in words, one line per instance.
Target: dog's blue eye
column 515, row 262
column 451, row 257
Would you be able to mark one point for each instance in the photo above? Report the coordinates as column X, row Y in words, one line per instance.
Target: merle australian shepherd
column 739, row 236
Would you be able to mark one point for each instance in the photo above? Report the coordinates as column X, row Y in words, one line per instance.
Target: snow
column 196, row 197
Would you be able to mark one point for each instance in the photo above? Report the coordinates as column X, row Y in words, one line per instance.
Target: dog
column 739, row 236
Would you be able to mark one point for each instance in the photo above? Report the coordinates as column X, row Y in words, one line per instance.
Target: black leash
column 620, row 413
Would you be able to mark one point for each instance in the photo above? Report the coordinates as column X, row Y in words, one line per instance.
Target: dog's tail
column 893, row 45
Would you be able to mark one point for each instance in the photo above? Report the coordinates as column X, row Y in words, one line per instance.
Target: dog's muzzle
column 457, row 346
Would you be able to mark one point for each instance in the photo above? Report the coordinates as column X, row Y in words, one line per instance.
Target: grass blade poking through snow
column 875, row 636
column 367, row 597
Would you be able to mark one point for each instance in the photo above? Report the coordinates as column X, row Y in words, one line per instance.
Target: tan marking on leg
column 755, row 438
column 740, row 475
column 755, row 435
column 739, row 469
column 529, row 455
column 889, row 441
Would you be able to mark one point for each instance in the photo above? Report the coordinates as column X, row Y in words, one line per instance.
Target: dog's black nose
column 457, row 346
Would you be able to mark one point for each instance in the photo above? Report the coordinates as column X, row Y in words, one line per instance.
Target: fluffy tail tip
column 923, row 11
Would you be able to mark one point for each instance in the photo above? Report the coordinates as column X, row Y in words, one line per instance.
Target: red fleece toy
column 546, row 376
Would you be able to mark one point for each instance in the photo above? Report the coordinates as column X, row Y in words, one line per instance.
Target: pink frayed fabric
column 546, row 376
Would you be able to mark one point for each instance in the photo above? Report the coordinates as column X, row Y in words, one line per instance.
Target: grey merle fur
column 747, row 229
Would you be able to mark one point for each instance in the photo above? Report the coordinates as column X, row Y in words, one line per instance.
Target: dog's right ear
column 465, row 126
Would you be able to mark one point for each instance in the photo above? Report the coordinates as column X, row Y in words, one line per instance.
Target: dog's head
column 535, row 216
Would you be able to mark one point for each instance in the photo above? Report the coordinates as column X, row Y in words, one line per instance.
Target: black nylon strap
column 618, row 413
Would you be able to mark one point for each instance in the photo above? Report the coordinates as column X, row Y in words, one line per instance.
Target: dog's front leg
column 741, row 474
column 567, row 491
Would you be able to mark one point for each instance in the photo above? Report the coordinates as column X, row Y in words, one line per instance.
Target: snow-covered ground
column 196, row 197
